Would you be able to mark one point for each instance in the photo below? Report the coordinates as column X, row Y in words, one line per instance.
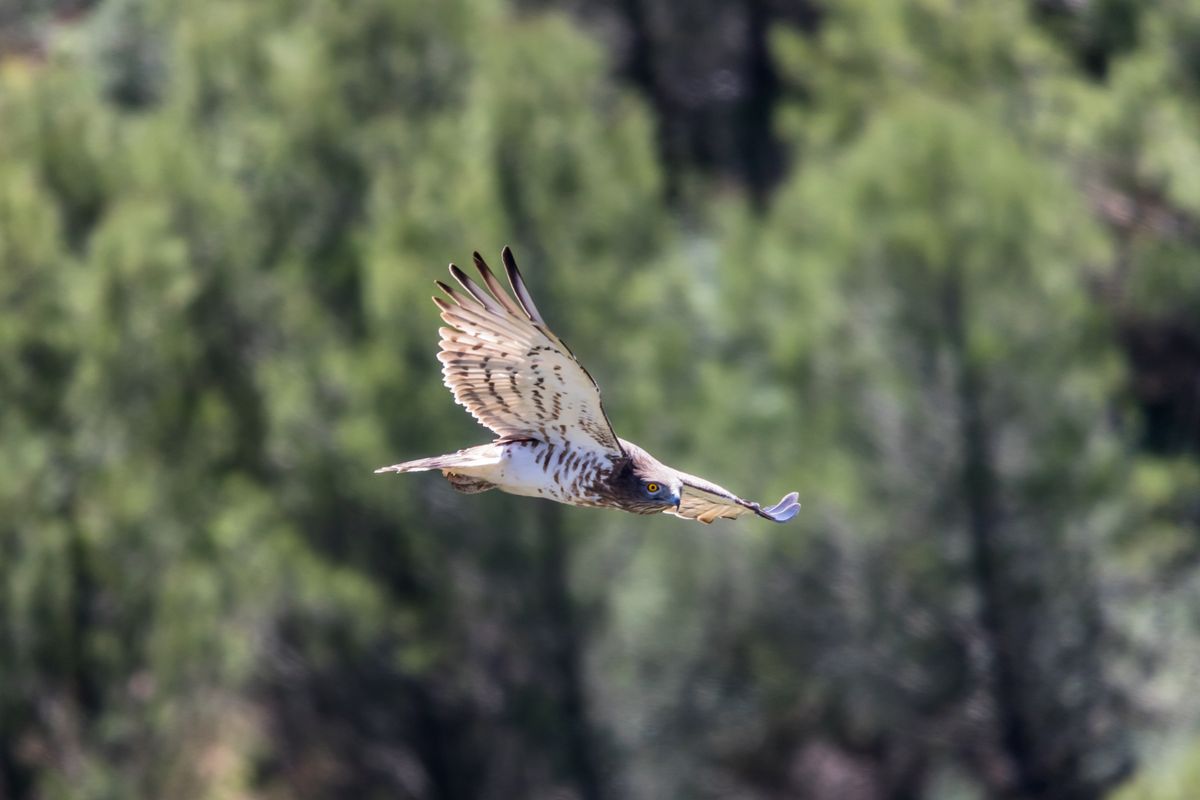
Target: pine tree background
column 934, row 264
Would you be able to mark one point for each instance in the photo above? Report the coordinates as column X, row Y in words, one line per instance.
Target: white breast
column 536, row 469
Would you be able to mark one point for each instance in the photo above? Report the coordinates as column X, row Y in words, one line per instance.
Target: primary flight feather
column 509, row 370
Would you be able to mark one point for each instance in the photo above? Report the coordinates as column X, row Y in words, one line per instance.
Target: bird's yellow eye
column 652, row 488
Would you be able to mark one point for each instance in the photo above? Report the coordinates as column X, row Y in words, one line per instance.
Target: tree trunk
column 987, row 557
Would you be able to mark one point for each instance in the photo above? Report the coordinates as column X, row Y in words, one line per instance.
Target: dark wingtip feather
column 518, row 286
column 460, row 276
column 494, row 286
column 481, row 267
column 473, row 289
column 459, row 299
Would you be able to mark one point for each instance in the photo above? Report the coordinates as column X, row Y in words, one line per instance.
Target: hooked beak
column 678, row 499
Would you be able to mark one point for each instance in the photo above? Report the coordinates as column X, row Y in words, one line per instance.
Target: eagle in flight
column 509, row 370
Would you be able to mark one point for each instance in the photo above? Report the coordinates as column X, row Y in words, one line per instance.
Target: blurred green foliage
column 960, row 327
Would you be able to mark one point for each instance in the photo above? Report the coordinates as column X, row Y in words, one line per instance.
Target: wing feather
column 494, row 286
column 518, row 287
column 510, row 371
column 483, row 297
column 706, row 502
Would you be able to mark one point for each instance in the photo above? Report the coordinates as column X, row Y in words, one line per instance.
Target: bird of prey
column 554, row 440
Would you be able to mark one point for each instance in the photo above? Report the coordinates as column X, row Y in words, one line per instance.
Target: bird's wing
column 705, row 501
column 509, row 370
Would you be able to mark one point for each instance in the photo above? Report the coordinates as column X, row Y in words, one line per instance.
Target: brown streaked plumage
column 507, row 368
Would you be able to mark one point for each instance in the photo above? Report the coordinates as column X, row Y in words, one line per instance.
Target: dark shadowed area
column 933, row 264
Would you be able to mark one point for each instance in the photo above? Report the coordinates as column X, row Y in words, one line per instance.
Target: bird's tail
column 484, row 455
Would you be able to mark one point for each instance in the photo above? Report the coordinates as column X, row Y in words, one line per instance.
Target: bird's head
column 643, row 485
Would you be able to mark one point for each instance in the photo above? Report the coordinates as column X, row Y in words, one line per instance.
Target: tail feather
column 482, row 456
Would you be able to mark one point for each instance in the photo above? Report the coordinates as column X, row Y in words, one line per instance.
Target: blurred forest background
column 934, row 263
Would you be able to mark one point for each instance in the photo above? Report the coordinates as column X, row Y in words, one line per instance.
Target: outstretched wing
column 509, row 370
column 705, row 501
